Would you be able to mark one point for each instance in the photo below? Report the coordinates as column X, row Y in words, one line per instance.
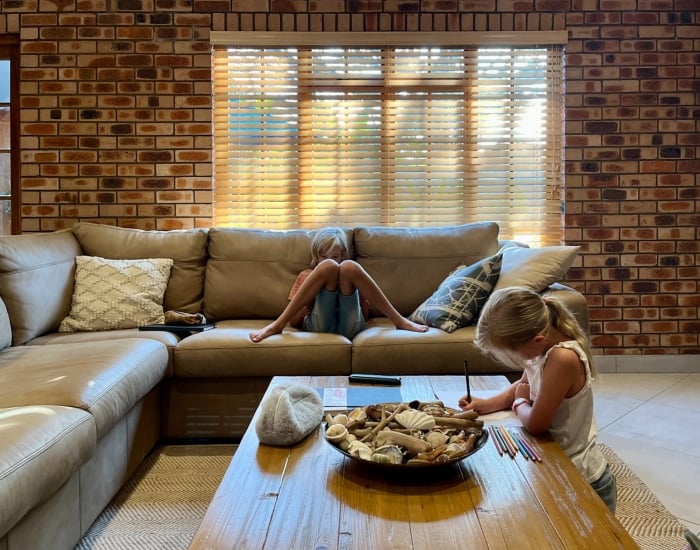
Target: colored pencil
column 521, row 446
column 495, row 440
column 535, row 455
column 508, row 441
column 504, row 442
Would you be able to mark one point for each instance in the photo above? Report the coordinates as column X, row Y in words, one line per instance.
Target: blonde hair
column 513, row 316
column 324, row 240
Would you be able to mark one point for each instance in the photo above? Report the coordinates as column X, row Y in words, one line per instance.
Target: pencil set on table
column 509, row 442
column 506, row 442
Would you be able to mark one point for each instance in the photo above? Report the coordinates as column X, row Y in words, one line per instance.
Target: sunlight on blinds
column 307, row 137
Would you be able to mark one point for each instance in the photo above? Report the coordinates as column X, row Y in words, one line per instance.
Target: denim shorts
column 606, row 487
column 337, row 313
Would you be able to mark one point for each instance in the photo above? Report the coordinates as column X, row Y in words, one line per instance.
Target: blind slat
column 306, row 137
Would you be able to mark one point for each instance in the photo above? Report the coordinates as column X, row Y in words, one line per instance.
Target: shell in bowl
column 415, row 420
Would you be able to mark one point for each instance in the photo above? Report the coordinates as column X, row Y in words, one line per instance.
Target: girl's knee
column 350, row 268
column 329, row 269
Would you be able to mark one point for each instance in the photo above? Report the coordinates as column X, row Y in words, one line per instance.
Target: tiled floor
column 652, row 421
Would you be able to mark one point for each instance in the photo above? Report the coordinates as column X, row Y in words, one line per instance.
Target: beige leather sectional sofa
column 80, row 410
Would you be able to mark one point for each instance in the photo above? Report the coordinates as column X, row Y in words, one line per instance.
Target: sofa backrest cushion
column 410, row 263
column 250, row 271
column 187, row 248
column 36, row 281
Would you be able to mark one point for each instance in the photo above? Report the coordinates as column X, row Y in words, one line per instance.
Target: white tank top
column 573, row 425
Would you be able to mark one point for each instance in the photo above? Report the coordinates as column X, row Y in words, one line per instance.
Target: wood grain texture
column 311, row 496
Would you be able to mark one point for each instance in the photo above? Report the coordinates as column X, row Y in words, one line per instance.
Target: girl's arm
column 298, row 317
column 559, row 375
column 498, row 402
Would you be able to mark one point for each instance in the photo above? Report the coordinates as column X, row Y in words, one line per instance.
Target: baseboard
column 648, row 363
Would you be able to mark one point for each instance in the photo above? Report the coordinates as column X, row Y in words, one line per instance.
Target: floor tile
column 642, row 386
column 667, row 427
column 685, row 394
column 610, row 408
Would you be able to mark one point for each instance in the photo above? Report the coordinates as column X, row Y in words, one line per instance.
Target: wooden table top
column 311, row 497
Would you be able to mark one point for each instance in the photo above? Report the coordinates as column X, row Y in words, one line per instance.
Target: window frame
column 9, row 49
column 407, row 40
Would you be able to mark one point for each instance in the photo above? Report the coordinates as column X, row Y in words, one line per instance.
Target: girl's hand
column 476, row 404
column 522, row 390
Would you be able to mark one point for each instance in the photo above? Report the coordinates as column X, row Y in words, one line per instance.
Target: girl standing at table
column 522, row 329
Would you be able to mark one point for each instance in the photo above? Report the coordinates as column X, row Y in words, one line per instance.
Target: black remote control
column 375, row 379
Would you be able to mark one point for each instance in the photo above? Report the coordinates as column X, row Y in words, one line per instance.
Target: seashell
column 336, row 433
column 388, row 454
column 413, row 445
column 415, row 420
column 357, row 415
column 436, row 439
column 346, row 441
column 341, row 418
column 455, row 449
column 359, row 449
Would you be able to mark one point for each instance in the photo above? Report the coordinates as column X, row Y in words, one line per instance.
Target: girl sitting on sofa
column 334, row 294
column 522, row 329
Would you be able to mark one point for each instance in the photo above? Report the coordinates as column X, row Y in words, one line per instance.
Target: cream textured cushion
column 116, row 294
column 535, row 268
column 187, row 248
column 460, row 297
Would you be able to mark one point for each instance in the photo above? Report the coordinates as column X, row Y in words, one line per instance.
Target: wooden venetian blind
column 308, row 135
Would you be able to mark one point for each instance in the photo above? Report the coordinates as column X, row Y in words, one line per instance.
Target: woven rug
column 162, row 504
column 640, row 512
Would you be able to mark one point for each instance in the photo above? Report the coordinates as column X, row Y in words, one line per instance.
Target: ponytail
column 565, row 322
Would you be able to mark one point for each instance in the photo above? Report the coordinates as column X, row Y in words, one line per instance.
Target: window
column 9, row 175
column 309, row 135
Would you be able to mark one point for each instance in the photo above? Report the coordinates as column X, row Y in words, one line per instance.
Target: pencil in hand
column 466, row 375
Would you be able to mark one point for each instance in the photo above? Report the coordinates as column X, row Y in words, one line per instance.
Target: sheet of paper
column 451, row 399
column 357, row 396
column 335, row 398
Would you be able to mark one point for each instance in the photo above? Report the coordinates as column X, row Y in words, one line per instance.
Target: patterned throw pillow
column 114, row 294
column 460, row 297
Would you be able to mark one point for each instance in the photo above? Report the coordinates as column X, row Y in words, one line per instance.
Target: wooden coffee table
column 311, row 497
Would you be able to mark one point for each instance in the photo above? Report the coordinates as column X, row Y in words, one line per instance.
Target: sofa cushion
column 227, row 352
column 187, row 248
column 535, row 268
column 40, row 448
column 250, row 272
column 105, row 378
column 115, row 294
column 460, row 297
column 36, row 281
column 410, row 263
column 382, row 349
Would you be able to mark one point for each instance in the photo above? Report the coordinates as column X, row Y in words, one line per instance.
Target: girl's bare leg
column 324, row 275
column 353, row 276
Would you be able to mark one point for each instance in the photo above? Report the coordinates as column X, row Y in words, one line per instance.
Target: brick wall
column 116, row 127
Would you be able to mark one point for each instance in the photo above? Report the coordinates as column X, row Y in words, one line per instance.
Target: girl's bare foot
column 264, row 332
column 405, row 324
